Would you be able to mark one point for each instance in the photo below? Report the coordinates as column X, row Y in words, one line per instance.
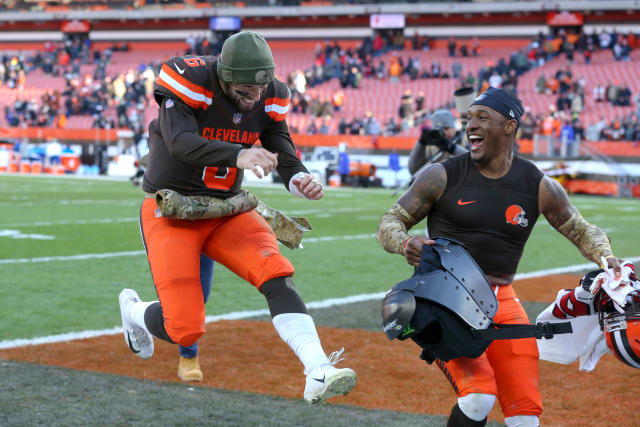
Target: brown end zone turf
column 249, row 356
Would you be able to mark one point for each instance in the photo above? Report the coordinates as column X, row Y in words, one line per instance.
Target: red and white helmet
column 515, row 215
column 621, row 330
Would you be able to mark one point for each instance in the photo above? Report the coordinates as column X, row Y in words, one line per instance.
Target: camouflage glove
column 175, row 205
column 288, row 230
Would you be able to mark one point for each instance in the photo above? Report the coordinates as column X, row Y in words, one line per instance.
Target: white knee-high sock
column 137, row 313
column 476, row 405
column 299, row 332
column 522, row 421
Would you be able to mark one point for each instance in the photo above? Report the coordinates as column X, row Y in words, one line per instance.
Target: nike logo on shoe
column 321, row 380
column 180, row 70
column 131, row 345
column 461, row 203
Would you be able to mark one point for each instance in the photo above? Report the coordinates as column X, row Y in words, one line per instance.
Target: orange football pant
column 507, row 369
column 243, row 243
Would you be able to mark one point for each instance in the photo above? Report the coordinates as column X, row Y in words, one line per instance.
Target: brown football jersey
column 493, row 218
column 191, row 101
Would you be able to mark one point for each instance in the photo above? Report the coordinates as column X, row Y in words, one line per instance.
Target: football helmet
column 621, row 329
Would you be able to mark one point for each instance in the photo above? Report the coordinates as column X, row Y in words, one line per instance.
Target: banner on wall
column 75, row 26
column 387, row 20
column 565, row 19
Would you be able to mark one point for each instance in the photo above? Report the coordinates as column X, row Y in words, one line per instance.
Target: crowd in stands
column 350, row 66
column 120, row 100
column 210, row 45
column 564, row 119
column 115, row 101
column 564, row 116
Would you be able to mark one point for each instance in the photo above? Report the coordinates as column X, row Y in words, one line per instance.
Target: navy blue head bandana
column 503, row 101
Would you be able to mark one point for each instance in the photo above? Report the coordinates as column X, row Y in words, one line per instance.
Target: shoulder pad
column 449, row 276
column 276, row 104
column 186, row 78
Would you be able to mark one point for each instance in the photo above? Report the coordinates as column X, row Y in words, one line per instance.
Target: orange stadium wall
column 586, row 186
column 66, row 136
column 402, row 143
column 579, row 185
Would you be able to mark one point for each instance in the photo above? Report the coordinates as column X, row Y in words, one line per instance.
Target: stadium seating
column 380, row 96
column 602, row 70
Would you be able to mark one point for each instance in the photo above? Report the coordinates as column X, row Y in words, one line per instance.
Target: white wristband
column 293, row 189
column 239, row 152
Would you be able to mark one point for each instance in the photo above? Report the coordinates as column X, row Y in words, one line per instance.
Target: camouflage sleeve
column 174, row 205
column 591, row 240
column 411, row 208
column 392, row 229
column 288, row 230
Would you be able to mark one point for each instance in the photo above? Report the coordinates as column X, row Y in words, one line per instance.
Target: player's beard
column 241, row 99
column 243, row 103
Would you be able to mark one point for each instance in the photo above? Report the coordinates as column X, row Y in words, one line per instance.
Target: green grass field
column 68, row 246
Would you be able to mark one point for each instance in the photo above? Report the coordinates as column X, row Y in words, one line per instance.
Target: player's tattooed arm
column 592, row 241
column 554, row 202
column 412, row 207
column 425, row 191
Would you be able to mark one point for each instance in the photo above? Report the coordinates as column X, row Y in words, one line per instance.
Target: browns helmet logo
column 262, row 77
column 515, row 216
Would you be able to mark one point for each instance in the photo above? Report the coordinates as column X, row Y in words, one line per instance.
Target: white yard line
column 563, row 270
column 65, row 202
column 132, row 253
column 69, row 258
column 71, row 336
column 68, row 222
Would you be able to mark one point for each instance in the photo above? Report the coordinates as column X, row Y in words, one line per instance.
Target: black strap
column 539, row 331
column 427, row 356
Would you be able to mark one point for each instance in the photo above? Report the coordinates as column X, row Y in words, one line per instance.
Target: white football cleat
column 138, row 339
column 326, row 381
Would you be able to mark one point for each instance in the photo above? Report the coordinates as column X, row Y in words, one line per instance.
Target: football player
column 489, row 199
column 212, row 112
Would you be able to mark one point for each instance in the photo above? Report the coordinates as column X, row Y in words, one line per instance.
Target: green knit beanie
column 246, row 59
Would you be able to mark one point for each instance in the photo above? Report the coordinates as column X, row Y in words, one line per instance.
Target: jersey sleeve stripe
column 276, row 108
column 186, row 94
column 185, row 98
column 184, row 82
column 276, row 117
column 282, row 102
